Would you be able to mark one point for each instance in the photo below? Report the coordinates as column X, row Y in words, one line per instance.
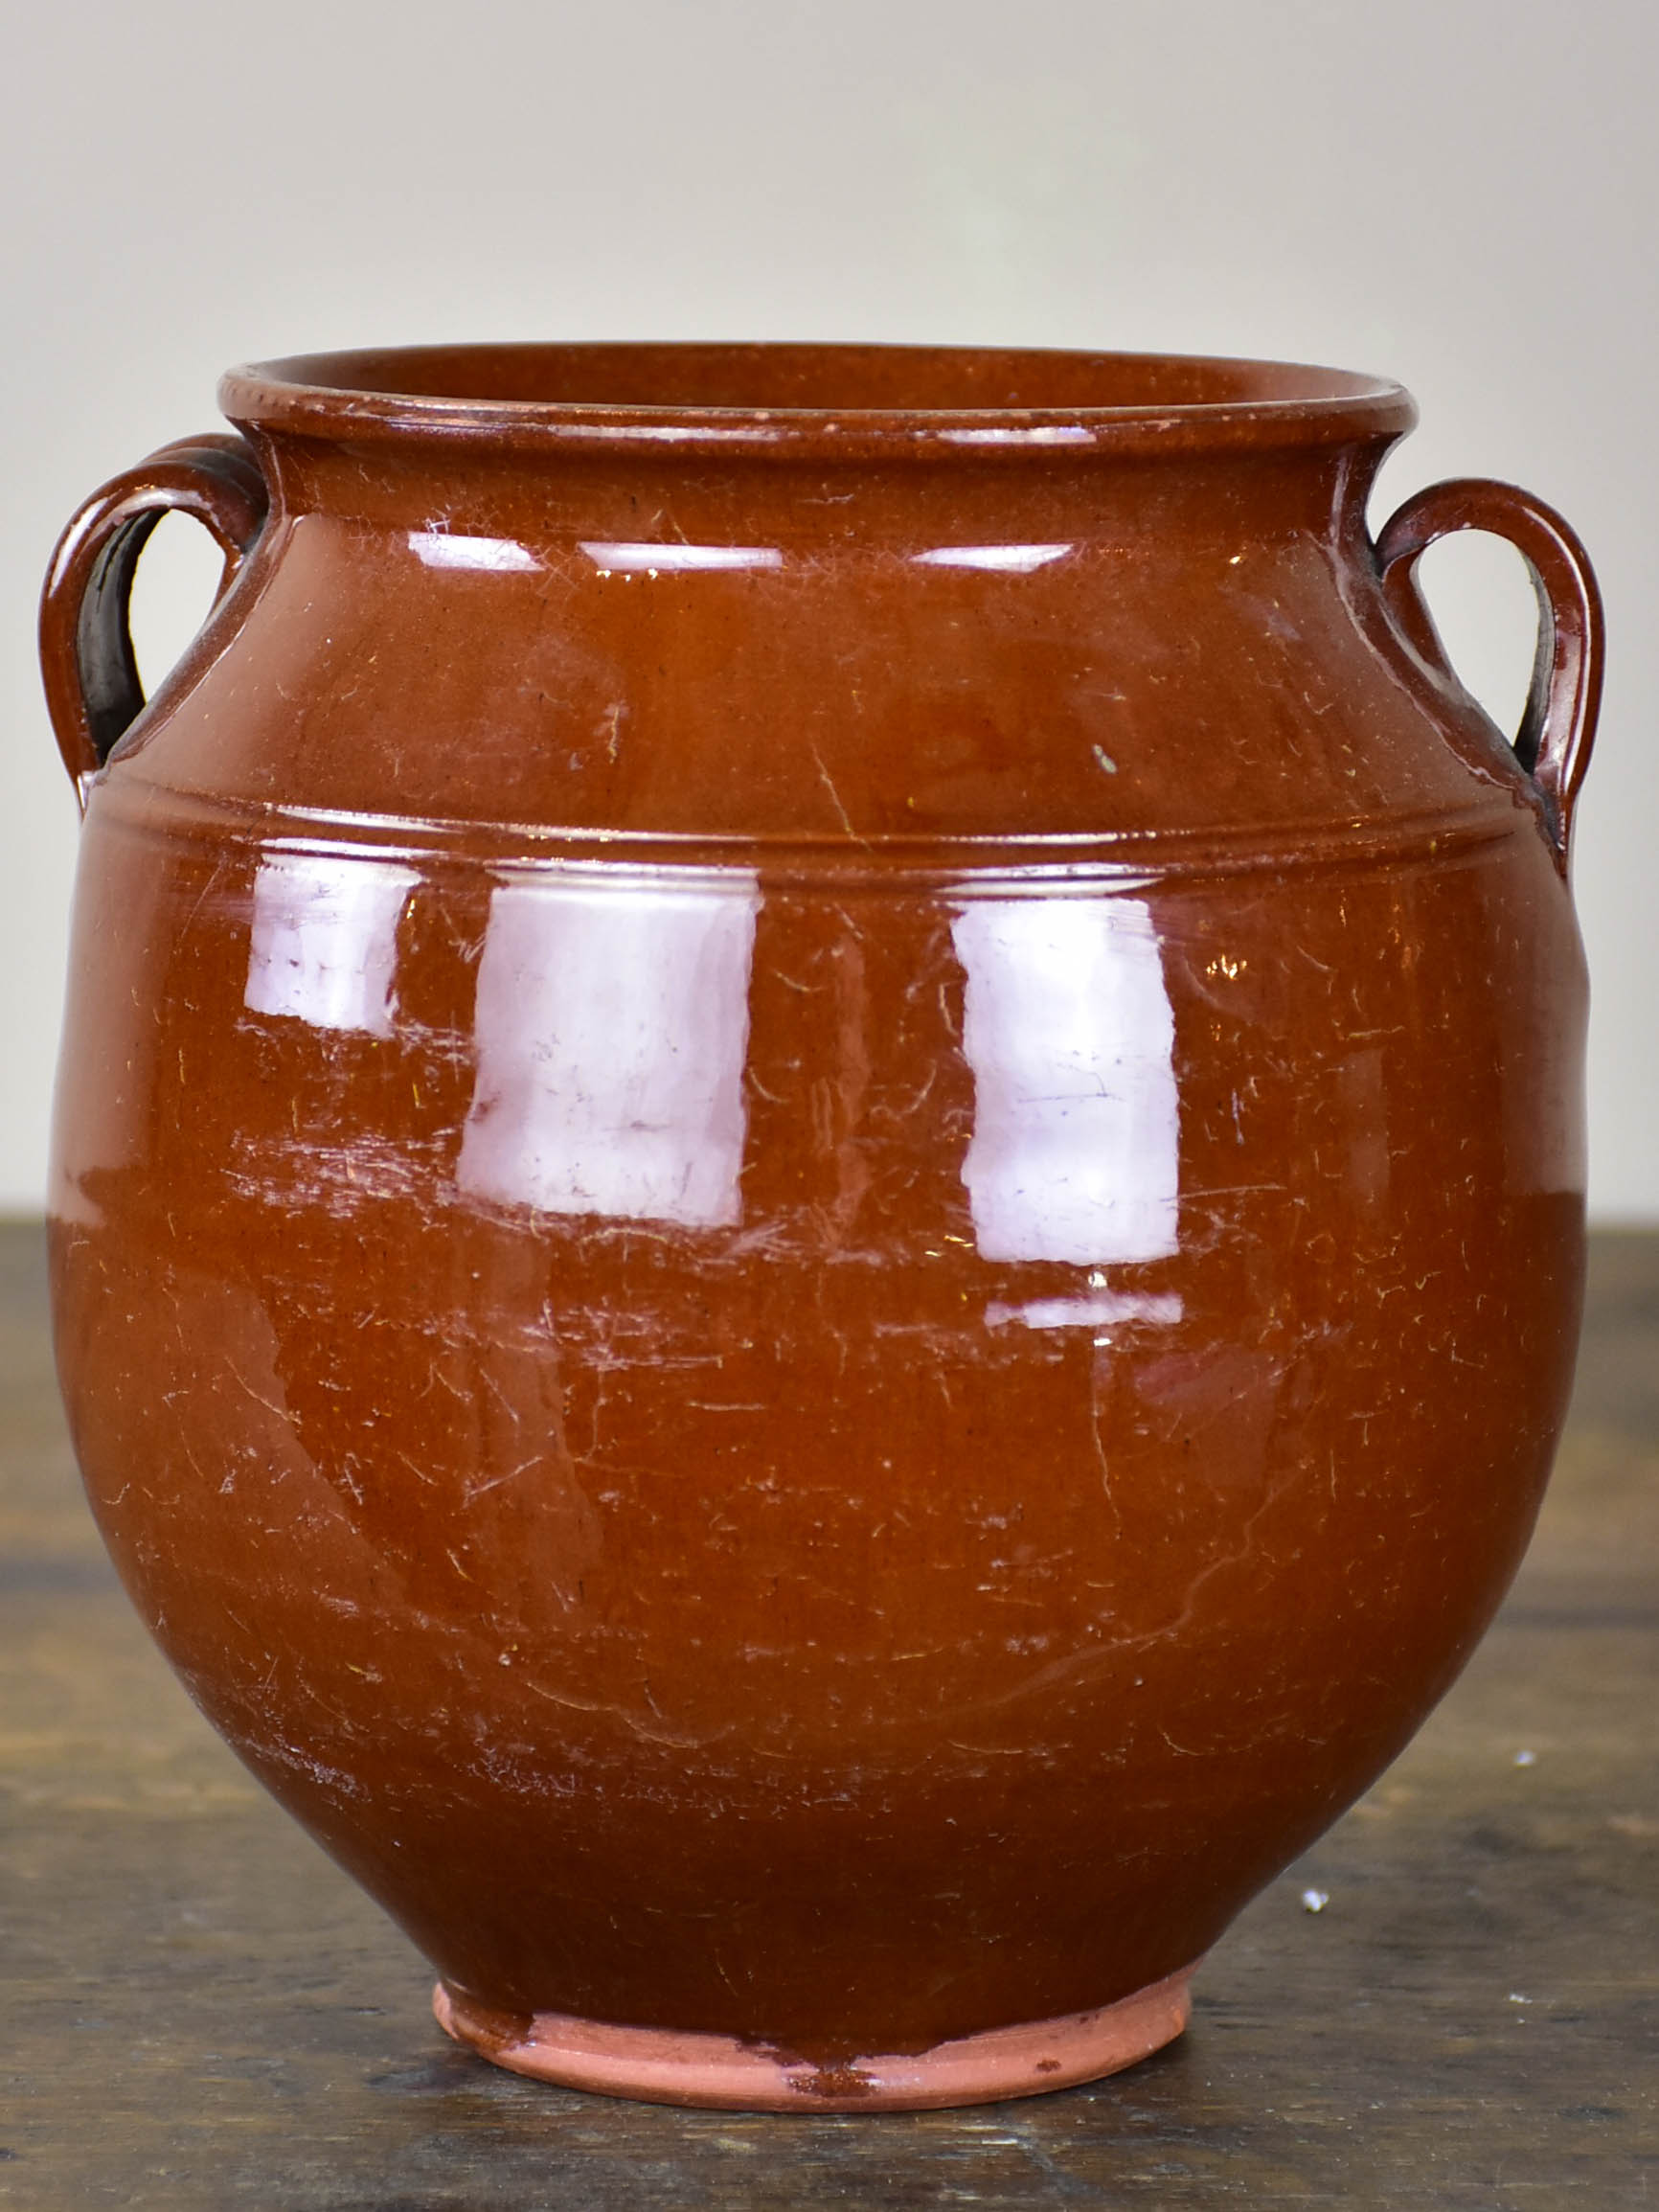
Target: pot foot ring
column 663, row 2067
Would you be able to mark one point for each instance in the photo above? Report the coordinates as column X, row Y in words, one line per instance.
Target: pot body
column 817, row 1221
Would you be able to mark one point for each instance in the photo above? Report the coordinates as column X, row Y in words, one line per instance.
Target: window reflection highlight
column 1069, row 1031
column 324, row 947
column 611, row 1029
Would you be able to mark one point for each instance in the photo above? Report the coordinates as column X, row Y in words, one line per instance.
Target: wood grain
column 203, row 2013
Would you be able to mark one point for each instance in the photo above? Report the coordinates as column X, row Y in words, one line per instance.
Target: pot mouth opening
column 821, row 398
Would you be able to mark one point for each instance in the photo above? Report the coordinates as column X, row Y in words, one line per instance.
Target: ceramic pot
column 818, row 1198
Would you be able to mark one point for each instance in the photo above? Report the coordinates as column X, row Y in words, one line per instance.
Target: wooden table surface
column 203, row 2013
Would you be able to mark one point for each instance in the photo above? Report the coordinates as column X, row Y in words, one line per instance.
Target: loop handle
column 93, row 692
column 1558, row 726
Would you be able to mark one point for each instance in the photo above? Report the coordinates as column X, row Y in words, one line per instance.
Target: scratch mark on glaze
column 824, row 776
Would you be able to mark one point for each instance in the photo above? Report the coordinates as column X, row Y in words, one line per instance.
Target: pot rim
column 943, row 401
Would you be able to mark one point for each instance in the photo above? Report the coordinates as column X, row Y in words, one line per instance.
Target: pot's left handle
column 91, row 677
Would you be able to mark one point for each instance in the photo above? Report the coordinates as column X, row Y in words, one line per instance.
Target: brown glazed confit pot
column 818, row 1203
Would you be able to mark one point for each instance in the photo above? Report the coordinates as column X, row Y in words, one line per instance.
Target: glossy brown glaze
column 818, row 1205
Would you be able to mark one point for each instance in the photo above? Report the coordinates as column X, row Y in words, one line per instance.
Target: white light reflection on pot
column 644, row 559
column 1101, row 1310
column 454, row 549
column 612, row 1026
column 998, row 559
column 323, row 947
column 1069, row 1033
column 1023, row 434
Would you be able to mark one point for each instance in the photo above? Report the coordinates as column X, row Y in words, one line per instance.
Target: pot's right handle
column 93, row 690
column 1558, row 726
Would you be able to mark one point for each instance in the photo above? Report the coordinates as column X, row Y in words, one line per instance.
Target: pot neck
column 483, row 489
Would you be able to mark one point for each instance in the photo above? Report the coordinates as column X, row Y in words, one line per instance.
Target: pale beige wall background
column 1459, row 193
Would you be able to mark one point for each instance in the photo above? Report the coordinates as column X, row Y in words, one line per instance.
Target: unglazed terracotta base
column 665, row 2068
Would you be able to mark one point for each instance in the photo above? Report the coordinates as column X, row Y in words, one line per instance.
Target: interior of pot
column 824, row 380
